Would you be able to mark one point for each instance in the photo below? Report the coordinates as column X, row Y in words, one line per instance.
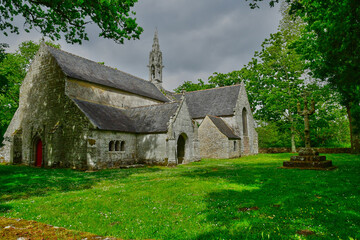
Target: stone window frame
column 111, row 146
column 122, row 146
column 116, row 146
column 235, row 145
column 245, row 122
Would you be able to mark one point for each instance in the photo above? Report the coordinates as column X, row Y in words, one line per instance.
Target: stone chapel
column 76, row 113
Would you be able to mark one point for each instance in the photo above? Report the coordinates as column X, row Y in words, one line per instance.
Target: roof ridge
column 151, row 105
column 99, row 64
column 84, row 100
column 211, row 89
column 123, row 108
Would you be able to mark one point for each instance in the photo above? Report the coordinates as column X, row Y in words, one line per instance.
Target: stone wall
column 105, row 95
column 182, row 124
column 320, row 150
column 6, row 150
column 236, row 123
column 151, row 148
column 109, row 149
column 46, row 113
column 234, row 148
column 213, row 144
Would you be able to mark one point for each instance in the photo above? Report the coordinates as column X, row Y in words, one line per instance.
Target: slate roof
column 154, row 118
column 216, row 101
column 83, row 69
column 223, row 127
column 148, row 119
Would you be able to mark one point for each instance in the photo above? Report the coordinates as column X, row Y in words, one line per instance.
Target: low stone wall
column 320, row 150
column 2, row 155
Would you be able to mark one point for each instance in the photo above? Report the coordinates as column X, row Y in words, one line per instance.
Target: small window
column 234, row 145
column 122, row 146
column 117, row 146
column 111, row 146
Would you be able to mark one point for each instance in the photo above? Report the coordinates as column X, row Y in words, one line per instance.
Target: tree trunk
column 354, row 132
column 292, row 129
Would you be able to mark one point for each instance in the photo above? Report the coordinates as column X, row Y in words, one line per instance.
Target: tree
column 275, row 80
column 330, row 44
column 13, row 69
column 189, row 86
column 54, row 17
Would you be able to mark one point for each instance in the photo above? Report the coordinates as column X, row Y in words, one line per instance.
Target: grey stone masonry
column 76, row 113
column 215, row 144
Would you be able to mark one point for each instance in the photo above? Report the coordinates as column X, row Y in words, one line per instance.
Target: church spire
column 156, row 46
column 155, row 62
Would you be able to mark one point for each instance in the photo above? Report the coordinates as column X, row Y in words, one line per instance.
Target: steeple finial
column 156, row 45
column 155, row 62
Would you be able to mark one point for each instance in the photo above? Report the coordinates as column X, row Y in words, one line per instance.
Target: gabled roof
column 83, row 69
column 223, row 127
column 148, row 119
column 216, row 101
column 106, row 117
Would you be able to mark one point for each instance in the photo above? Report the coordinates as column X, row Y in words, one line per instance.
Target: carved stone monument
column 308, row 157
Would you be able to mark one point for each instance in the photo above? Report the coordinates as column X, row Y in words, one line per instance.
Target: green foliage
column 13, row 69
column 53, row 18
column 275, row 80
column 189, row 86
column 244, row 198
column 274, row 134
column 330, row 44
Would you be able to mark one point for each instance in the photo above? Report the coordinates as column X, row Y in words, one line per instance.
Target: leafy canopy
column 13, row 69
column 69, row 17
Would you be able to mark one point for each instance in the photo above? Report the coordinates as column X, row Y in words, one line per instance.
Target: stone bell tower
column 155, row 63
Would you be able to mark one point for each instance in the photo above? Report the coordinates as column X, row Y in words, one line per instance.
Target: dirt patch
column 246, row 209
column 305, row 232
column 32, row 230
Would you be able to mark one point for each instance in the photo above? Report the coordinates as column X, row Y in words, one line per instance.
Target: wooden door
column 39, row 153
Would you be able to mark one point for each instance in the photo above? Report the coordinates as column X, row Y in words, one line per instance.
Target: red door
column 38, row 154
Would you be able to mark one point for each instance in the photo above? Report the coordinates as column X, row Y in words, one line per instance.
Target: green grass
column 204, row 200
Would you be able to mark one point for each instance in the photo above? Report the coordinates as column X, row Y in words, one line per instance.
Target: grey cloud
column 197, row 38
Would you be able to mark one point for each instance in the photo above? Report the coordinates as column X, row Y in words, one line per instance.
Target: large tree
column 331, row 46
column 275, row 80
column 69, row 17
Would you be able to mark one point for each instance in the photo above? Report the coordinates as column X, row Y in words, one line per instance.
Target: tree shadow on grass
column 268, row 202
column 23, row 182
column 4, row 208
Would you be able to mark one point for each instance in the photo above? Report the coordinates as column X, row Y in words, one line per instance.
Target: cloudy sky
column 197, row 38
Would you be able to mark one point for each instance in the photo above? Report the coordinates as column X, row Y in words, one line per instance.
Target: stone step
column 314, row 158
column 308, row 164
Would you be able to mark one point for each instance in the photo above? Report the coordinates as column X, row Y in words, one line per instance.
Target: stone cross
column 306, row 112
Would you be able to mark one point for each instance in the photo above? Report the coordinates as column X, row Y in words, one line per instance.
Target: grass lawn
column 246, row 198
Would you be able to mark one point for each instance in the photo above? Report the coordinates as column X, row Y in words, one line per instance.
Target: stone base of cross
column 308, row 157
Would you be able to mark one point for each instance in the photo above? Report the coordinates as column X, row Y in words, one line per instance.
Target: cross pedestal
column 308, row 157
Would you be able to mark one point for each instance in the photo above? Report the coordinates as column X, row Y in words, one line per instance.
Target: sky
column 197, row 38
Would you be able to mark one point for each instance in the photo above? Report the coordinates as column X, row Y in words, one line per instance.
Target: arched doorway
column 181, row 148
column 38, row 153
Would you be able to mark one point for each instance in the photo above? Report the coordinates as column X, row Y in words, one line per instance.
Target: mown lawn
column 246, row 198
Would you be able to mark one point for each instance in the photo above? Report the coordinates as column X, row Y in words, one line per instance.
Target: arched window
column 111, row 146
column 234, row 145
column 122, row 146
column 244, row 120
column 117, row 146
